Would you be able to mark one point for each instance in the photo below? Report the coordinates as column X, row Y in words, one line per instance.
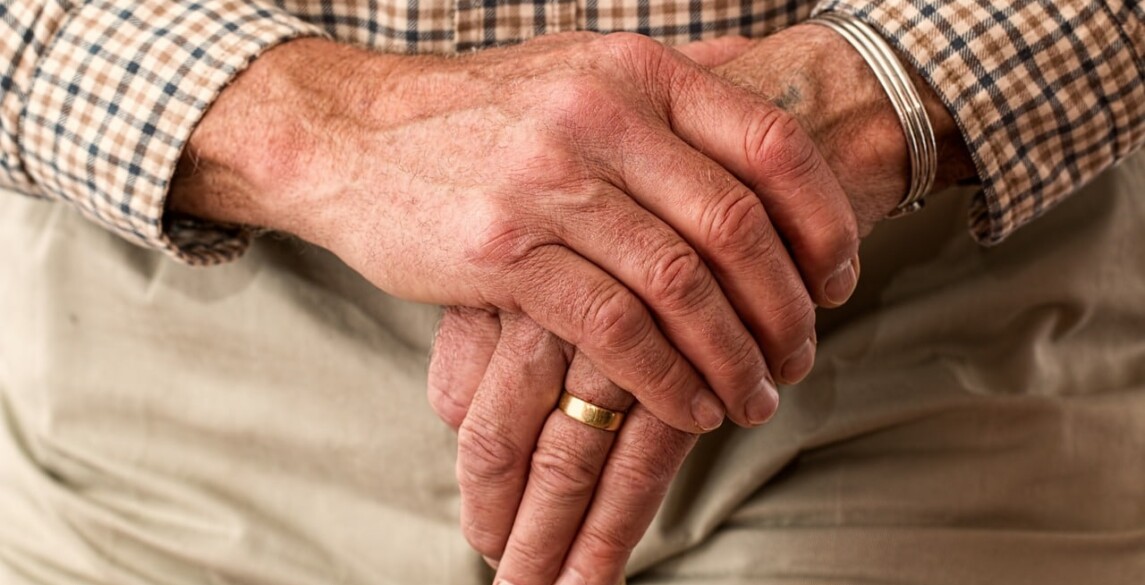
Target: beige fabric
column 264, row 422
column 976, row 416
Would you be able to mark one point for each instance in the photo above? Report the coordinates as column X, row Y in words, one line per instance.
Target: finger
column 716, row 52
column 462, row 348
column 668, row 274
column 646, row 456
column 771, row 153
column 497, row 437
column 726, row 222
column 583, row 305
column 564, row 472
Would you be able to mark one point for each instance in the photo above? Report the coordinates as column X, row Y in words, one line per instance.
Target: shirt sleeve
column 1047, row 93
column 99, row 97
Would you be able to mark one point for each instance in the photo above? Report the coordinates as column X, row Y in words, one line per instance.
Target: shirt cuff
column 115, row 96
column 1047, row 95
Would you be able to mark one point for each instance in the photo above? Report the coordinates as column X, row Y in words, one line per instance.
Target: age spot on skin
column 789, row 98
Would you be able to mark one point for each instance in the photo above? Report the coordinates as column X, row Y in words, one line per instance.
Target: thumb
column 715, row 52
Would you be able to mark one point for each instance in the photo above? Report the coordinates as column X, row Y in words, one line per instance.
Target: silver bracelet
column 904, row 97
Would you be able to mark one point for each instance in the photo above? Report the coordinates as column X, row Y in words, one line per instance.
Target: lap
column 976, row 415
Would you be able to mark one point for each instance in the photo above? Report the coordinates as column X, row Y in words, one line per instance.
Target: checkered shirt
column 98, row 97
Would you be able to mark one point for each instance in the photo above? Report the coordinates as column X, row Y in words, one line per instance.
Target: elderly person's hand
column 547, row 496
column 528, row 473
column 605, row 186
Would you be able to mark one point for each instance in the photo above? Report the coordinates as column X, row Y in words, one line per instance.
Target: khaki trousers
column 975, row 416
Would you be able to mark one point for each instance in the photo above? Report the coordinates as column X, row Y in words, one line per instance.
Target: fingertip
column 447, row 407
column 841, row 284
column 762, row 404
column 707, row 412
column 799, row 363
column 571, row 576
column 463, row 347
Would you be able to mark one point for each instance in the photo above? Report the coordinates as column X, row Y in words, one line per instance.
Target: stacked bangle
column 904, row 97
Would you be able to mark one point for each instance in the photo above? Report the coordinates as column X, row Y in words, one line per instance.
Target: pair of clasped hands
column 649, row 228
column 664, row 258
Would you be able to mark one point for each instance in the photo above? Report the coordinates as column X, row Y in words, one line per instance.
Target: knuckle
column 485, row 454
column 737, row 223
column 615, row 319
column 607, row 544
column 586, row 121
column 683, row 83
column 580, row 98
column 649, row 62
column 770, row 247
column 642, row 475
column 533, row 556
column 552, row 161
column 563, row 472
column 777, row 142
column 677, row 279
column 505, row 241
column 589, row 381
column 527, row 342
column 627, row 44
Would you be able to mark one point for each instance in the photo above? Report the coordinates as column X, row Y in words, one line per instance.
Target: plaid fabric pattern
column 97, row 98
column 1048, row 93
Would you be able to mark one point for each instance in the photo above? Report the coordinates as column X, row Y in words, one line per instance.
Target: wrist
column 816, row 75
column 262, row 154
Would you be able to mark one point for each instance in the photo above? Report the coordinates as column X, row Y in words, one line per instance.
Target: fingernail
column 841, row 284
column 707, row 411
column 570, row 577
column 762, row 404
column 491, row 562
column 800, row 362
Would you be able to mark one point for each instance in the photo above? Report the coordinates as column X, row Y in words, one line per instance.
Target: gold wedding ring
column 590, row 414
